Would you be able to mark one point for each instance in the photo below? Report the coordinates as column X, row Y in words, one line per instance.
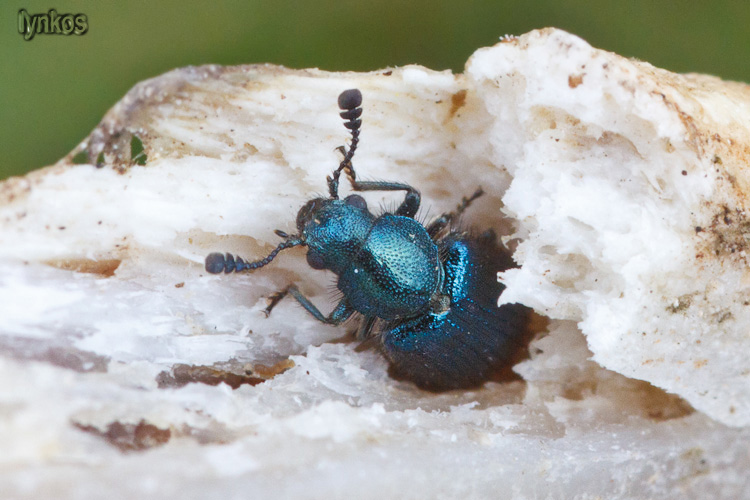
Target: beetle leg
column 365, row 327
column 341, row 313
column 408, row 207
column 274, row 299
column 444, row 220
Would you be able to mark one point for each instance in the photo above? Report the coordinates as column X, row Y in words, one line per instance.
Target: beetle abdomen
column 460, row 347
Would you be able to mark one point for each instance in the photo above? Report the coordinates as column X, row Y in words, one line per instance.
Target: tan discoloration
column 228, row 373
column 103, row 267
column 130, row 437
column 458, row 101
column 575, row 80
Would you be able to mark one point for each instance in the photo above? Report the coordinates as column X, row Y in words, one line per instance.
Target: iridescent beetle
column 427, row 293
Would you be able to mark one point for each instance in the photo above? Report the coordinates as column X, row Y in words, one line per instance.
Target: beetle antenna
column 227, row 263
column 350, row 102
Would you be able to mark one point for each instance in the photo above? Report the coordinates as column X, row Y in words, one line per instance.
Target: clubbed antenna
column 227, row 263
column 350, row 102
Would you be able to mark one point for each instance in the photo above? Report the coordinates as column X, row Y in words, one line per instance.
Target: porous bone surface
column 621, row 187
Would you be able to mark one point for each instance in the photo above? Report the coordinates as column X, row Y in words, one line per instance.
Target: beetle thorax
column 334, row 232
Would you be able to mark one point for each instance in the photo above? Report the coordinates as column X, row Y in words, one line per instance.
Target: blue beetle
column 427, row 293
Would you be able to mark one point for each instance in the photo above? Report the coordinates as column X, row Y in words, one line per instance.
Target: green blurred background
column 54, row 89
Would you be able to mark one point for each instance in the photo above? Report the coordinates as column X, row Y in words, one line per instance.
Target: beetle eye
column 314, row 260
column 356, row 200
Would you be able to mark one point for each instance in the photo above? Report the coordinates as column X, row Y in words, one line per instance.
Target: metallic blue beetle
column 428, row 293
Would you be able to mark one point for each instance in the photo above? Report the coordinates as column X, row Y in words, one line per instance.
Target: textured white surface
column 629, row 188
column 103, row 298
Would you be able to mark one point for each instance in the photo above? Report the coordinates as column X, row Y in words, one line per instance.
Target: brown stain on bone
column 268, row 372
column 183, row 374
column 104, row 267
column 575, row 80
column 458, row 101
column 129, row 437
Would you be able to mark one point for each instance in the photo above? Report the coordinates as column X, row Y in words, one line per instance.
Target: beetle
column 427, row 293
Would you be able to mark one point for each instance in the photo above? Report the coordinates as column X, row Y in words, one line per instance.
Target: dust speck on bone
column 426, row 293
